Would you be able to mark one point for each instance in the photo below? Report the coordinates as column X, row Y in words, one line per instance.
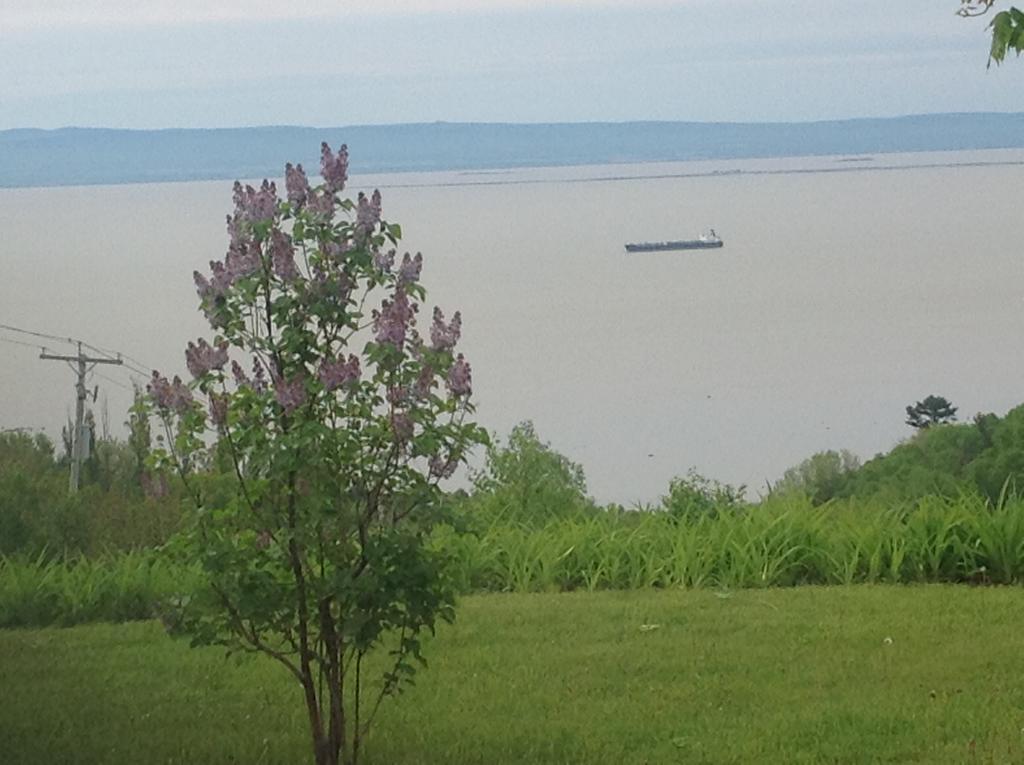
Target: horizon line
column 500, row 123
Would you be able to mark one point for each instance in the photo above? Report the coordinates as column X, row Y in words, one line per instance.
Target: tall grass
column 65, row 591
column 780, row 543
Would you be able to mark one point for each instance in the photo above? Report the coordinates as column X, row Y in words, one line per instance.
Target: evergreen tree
column 934, row 410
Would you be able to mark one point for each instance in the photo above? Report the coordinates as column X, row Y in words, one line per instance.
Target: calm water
column 839, row 298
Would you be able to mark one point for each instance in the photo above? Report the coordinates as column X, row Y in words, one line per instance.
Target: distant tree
column 1007, row 27
column 527, row 481
column 820, row 476
column 139, row 437
column 693, row 496
column 934, row 410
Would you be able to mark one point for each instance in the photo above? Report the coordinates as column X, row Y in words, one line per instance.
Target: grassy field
column 864, row 674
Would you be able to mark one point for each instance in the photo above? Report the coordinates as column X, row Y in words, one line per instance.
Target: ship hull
column 694, row 244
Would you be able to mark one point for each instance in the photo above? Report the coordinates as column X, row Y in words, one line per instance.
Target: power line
column 118, row 383
column 19, row 342
column 68, row 340
column 136, row 365
column 112, row 380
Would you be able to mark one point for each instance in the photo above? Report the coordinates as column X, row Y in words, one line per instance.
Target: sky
column 226, row 63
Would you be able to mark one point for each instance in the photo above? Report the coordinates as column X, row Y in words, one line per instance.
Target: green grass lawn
column 929, row 674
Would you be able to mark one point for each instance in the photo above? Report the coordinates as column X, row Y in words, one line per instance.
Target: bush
column 819, row 477
column 313, row 551
column 693, row 496
column 109, row 512
column 526, row 482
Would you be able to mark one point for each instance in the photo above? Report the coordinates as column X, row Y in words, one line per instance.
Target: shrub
column 526, row 481
column 693, row 496
column 336, row 433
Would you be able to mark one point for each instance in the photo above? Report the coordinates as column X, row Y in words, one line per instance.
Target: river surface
column 848, row 287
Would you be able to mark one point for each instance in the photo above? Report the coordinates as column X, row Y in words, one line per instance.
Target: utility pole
column 81, row 365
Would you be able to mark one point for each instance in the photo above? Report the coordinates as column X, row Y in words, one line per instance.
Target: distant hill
column 74, row 156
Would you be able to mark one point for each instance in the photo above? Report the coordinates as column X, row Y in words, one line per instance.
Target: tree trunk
column 335, row 681
column 321, row 747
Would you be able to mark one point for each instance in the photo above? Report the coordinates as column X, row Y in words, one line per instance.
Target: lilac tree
column 335, row 419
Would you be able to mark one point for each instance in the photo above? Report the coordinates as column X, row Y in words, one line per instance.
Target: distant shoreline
column 95, row 156
column 707, row 174
column 859, row 165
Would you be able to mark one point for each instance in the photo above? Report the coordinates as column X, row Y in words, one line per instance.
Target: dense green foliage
column 941, row 507
column 784, row 542
column 111, row 512
column 820, row 476
column 525, row 481
column 984, row 456
column 806, row 675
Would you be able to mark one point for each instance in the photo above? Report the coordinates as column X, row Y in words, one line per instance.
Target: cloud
column 19, row 15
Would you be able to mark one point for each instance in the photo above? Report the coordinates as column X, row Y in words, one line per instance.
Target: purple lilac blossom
column 398, row 395
column 334, row 374
column 290, row 394
column 283, row 256
column 460, row 380
column 173, row 395
column 160, row 389
column 321, row 204
column 259, row 376
column 327, row 285
column 255, row 206
column 319, row 273
column 391, row 323
column 334, row 169
column 203, row 286
column 242, row 260
column 443, row 337
column 368, row 211
column 409, row 271
column 296, row 184
column 384, row 261
column 442, row 468
column 401, row 426
column 204, row 357
column 236, row 233
column 335, row 251
column 241, row 378
column 424, row 383
column 216, row 287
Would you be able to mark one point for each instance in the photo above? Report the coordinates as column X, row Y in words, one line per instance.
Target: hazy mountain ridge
column 84, row 156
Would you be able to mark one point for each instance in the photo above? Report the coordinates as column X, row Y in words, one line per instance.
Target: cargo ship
column 707, row 241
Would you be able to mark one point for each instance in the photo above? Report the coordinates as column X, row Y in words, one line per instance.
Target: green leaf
column 1002, row 31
